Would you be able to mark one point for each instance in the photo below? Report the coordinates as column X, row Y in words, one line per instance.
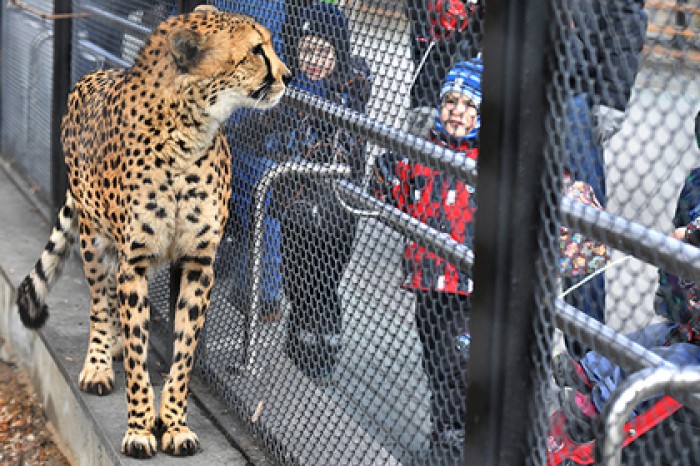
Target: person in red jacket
column 448, row 205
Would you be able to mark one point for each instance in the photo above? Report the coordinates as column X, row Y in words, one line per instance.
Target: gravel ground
column 26, row 436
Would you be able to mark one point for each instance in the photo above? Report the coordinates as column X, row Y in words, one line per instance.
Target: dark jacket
column 606, row 42
column 288, row 134
column 675, row 295
column 299, row 136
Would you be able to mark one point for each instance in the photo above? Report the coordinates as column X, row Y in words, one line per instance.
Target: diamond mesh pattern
column 339, row 324
column 624, row 99
column 27, row 80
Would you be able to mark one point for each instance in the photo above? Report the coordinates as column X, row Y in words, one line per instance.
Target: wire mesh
column 27, row 78
column 113, row 33
column 339, row 323
column 335, row 355
column 624, row 99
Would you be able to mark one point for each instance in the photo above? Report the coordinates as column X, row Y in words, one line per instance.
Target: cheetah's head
column 224, row 60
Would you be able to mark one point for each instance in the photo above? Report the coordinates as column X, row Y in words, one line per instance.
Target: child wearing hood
column 317, row 232
column 442, row 290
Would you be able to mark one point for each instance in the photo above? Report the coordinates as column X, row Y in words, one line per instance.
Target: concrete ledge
column 78, row 441
column 91, row 427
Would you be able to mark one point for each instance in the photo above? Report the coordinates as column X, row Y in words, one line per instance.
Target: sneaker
column 569, row 373
column 580, row 415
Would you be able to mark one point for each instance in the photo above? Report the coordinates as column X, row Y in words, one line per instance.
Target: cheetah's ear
column 186, row 47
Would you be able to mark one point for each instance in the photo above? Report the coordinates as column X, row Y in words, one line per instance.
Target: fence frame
column 512, row 158
column 510, row 191
column 62, row 50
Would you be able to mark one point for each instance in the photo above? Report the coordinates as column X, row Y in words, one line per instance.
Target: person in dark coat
column 248, row 165
column 603, row 43
column 317, row 232
column 589, row 382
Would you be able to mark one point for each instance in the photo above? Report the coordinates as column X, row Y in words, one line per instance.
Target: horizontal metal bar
column 118, row 20
column 440, row 243
column 632, row 391
column 385, row 135
column 118, row 62
column 629, row 237
column 614, row 346
column 635, row 239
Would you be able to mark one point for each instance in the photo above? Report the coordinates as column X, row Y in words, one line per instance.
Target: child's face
column 316, row 57
column 457, row 114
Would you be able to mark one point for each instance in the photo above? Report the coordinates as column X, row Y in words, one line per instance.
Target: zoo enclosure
column 375, row 408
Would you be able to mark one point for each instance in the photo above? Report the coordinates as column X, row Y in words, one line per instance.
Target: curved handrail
column 632, row 391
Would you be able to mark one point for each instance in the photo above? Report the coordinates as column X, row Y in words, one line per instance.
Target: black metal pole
column 508, row 220
column 184, row 6
column 62, row 44
column 1, row 72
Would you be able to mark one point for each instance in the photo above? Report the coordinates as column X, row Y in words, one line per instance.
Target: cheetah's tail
column 32, row 292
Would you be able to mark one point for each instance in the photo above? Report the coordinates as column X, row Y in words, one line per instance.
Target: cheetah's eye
column 257, row 50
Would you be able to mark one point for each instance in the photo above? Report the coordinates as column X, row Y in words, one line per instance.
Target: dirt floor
column 25, row 434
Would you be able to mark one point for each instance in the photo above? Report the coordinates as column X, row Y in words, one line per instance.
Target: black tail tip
column 32, row 314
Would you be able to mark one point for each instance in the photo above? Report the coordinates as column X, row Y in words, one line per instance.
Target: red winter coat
column 444, row 203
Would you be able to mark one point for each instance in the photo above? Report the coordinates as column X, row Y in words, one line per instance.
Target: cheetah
column 149, row 183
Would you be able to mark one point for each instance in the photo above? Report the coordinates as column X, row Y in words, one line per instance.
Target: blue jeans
column 585, row 162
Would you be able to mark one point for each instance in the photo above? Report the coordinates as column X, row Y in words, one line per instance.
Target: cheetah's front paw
column 179, row 441
column 96, row 381
column 138, row 444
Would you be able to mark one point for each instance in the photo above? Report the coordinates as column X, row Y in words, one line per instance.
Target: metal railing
column 514, row 258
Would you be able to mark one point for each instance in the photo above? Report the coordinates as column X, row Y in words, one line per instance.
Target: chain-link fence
column 27, row 79
column 624, row 102
column 340, row 320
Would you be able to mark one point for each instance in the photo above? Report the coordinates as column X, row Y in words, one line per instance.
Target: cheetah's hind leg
column 97, row 376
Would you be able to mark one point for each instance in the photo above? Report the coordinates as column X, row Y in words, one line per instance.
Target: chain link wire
column 339, row 323
column 622, row 139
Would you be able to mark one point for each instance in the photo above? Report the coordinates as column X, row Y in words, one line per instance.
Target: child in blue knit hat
column 442, row 291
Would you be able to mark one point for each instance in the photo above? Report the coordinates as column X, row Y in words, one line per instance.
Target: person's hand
column 679, row 234
column 608, row 121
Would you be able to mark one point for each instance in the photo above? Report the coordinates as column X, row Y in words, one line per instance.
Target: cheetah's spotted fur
column 149, row 184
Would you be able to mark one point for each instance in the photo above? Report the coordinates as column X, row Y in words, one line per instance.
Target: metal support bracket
column 635, row 389
column 254, row 266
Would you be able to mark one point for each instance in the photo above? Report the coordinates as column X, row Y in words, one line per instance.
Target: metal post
column 508, row 221
column 635, row 389
column 254, row 272
column 1, row 73
column 185, row 6
column 63, row 36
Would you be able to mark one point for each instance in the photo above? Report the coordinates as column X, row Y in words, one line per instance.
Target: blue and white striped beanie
column 464, row 78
